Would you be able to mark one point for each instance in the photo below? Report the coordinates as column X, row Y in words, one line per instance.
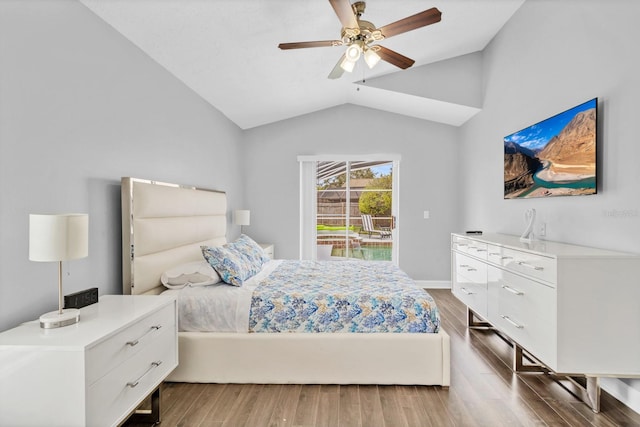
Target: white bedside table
column 268, row 249
column 93, row 373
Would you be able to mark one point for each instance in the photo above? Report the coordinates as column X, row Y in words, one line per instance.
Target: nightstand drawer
column 119, row 392
column 268, row 249
column 108, row 354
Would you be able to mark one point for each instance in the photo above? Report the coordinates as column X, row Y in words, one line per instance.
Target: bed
column 164, row 225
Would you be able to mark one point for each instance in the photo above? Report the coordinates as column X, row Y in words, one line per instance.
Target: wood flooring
column 484, row 392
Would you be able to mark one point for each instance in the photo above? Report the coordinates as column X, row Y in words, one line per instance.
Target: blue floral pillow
column 237, row 261
column 249, row 250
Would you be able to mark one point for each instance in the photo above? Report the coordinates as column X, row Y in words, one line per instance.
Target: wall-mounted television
column 555, row 157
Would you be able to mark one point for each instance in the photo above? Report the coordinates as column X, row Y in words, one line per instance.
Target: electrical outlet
column 426, row 215
column 542, row 229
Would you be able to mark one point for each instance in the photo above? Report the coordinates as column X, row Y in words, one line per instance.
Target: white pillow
column 196, row 273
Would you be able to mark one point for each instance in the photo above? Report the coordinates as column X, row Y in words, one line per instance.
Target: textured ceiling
column 226, row 50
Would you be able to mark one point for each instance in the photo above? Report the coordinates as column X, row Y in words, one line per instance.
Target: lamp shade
column 242, row 217
column 371, row 58
column 58, row 237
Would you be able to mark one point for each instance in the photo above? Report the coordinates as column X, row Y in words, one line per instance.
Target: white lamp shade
column 353, row 52
column 242, row 217
column 347, row 65
column 371, row 58
column 58, row 237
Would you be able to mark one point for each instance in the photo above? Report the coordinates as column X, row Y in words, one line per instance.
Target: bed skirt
column 323, row 358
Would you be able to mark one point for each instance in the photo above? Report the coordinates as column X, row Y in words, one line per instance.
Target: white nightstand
column 268, row 249
column 93, row 373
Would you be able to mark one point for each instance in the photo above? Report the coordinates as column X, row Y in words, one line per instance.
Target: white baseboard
column 622, row 391
column 433, row 284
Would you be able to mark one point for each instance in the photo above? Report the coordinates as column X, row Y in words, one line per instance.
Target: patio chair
column 367, row 227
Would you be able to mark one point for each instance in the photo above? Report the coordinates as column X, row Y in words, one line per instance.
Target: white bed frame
column 164, row 225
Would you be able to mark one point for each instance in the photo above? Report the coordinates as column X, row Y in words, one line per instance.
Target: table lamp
column 242, row 217
column 60, row 237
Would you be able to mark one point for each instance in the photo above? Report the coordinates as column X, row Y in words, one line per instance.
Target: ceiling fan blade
column 337, row 71
column 301, row 45
column 422, row 19
column 394, row 57
column 345, row 13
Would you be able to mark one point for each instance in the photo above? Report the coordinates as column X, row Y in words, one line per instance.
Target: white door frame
column 308, row 199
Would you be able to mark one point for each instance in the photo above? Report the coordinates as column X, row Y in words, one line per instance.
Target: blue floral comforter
column 341, row 296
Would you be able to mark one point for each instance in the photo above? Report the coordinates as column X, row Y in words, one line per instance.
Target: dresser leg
column 472, row 323
column 585, row 388
column 593, row 393
column 519, row 364
column 149, row 415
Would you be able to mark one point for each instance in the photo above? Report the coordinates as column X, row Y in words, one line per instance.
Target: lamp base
column 54, row 319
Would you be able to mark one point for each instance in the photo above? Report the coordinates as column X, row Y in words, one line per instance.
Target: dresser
column 574, row 309
column 93, row 373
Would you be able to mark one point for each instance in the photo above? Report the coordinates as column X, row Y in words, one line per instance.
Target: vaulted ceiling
column 226, row 51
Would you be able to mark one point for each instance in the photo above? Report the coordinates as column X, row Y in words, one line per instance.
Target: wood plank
column 307, row 408
column 370, row 406
column 202, row 405
column 391, row 408
column 239, row 412
column 329, row 406
column 285, row 409
column 350, row 406
column 264, row 405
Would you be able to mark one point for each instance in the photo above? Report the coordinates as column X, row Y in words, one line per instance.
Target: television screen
column 555, row 157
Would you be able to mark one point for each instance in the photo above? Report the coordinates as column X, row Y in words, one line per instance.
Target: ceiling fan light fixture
column 371, row 57
column 353, row 52
column 347, row 65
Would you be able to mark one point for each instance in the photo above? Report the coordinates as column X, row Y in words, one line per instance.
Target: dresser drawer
column 472, row 270
column 529, row 264
column 494, row 254
column 470, row 282
column 526, row 311
column 119, row 392
column 473, row 295
column 108, row 354
column 469, row 246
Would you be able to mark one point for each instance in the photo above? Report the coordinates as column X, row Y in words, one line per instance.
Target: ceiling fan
column 359, row 35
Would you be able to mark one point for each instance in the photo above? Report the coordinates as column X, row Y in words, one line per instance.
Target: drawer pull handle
column 507, row 257
column 466, row 292
column 135, row 383
column 511, row 321
column 462, row 244
column 480, row 250
column 472, row 269
column 495, row 254
column 136, row 341
column 513, row 291
column 468, row 267
column 535, row 267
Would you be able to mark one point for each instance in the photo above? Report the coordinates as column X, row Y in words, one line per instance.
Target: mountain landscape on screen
column 556, row 157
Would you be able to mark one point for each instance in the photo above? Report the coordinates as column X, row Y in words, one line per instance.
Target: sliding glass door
column 354, row 210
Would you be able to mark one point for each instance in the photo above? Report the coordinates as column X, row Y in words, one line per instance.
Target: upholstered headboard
column 164, row 225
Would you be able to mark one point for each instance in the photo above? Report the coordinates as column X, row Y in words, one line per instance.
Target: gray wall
column 428, row 178
column 551, row 56
column 80, row 107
